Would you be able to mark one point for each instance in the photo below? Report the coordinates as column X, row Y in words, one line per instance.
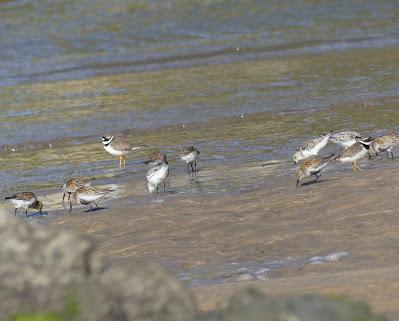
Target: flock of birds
column 353, row 148
column 80, row 191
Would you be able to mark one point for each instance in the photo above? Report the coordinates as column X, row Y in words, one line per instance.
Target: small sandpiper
column 25, row 200
column 311, row 147
column 384, row 144
column 73, row 184
column 86, row 195
column 118, row 146
column 190, row 155
column 158, row 172
column 357, row 151
column 345, row 139
column 312, row 167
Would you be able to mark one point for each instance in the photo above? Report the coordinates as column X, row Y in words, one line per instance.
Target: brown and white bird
column 313, row 167
column 384, row 144
column 190, row 155
column 356, row 152
column 119, row 146
column 71, row 185
column 158, row 172
column 25, row 200
column 86, row 195
column 311, row 147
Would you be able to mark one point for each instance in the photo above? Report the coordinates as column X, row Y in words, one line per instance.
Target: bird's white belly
column 350, row 159
column 192, row 157
column 22, row 204
column 115, row 152
column 159, row 176
column 88, row 198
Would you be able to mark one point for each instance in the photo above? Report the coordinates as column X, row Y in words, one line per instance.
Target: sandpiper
column 71, row 185
column 190, row 155
column 311, row 147
column 86, row 195
column 25, row 200
column 357, row 151
column 118, row 146
column 384, row 144
column 345, row 139
column 313, row 166
column 157, row 174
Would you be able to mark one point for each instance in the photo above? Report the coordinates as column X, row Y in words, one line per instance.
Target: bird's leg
column 26, row 212
column 164, row 187
column 353, row 167
column 120, row 161
column 192, row 168
column 297, row 183
column 124, row 160
column 157, row 190
column 95, row 204
column 15, row 212
column 195, row 167
column 188, row 168
column 90, row 207
column 70, row 207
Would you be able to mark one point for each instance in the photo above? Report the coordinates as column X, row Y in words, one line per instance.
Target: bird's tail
column 139, row 147
column 9, row 197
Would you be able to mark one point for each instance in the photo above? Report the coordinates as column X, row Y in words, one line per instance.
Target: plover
column 86, row 195
column 311, row 147
column 25, row 200
column 345, row 139
column 357, row 151
column 313, row 166
column 384, row 144
column 157, row 174
column 190, row 155
column 73, row 184
column 119, row 147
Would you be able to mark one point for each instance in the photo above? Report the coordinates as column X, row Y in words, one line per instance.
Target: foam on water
column 245, row 271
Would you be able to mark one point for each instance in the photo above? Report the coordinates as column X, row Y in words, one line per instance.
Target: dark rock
column 57, row 274
column 36, row 263
column 252, row 305
column 147, row 293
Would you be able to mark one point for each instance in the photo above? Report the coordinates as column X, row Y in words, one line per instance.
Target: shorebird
column 384, row 144
column 345, row 139
column 86, row 195
column 312, row 167
column 357, row 151
column 25, row 200
column 158, row 172
column 118, row 146
column 190, row 155
column 311, row 147
column 71, row 185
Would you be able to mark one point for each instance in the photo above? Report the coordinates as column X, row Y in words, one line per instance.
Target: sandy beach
column 345, row 212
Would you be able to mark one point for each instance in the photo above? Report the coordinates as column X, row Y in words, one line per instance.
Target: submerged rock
column 253, row 305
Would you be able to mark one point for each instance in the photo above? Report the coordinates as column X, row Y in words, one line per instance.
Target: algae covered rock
column 253, row 305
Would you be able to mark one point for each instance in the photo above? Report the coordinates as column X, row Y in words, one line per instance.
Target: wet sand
column 344, row 212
